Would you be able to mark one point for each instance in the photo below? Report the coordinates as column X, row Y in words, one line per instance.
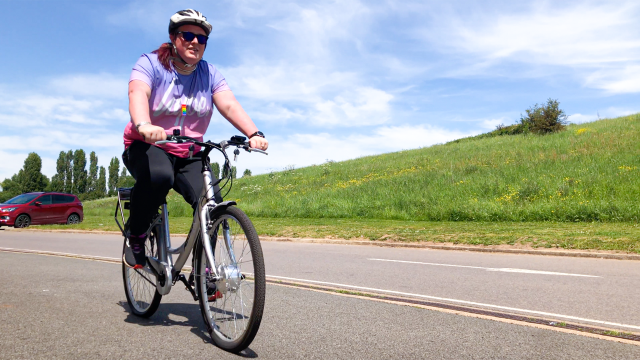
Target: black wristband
column 257, row 133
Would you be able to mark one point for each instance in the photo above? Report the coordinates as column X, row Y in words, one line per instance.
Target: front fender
column 221, row 207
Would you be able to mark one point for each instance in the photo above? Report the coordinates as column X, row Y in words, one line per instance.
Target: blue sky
column 324, row 80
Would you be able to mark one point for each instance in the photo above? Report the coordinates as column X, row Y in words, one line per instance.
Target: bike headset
column 187, row 17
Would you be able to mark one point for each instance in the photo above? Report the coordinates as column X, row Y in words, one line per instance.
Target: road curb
column 477, row 248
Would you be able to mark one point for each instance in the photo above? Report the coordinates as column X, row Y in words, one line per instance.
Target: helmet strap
column 184, row 66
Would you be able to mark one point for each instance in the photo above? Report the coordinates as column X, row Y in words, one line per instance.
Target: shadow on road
column 192, row 314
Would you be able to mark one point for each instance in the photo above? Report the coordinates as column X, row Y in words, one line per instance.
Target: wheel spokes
column 230, row 315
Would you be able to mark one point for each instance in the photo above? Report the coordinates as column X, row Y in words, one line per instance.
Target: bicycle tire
column 140, row 286
column 220, row 315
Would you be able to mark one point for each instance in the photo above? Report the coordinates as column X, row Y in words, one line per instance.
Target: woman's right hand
column 151, row 133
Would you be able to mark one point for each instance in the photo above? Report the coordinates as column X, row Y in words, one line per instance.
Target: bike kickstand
column 188, row 286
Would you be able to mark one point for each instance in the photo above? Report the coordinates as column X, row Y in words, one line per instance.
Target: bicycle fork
column 227, row 277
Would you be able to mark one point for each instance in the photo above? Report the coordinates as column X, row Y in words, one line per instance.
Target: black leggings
column 156, row 172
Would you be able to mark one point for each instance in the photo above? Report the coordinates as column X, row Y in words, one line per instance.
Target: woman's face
column 190, row 51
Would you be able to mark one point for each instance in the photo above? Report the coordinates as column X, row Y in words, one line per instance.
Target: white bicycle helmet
column 189, row 17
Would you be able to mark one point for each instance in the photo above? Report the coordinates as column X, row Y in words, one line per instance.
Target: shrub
column 544, row 119
column 509, row 130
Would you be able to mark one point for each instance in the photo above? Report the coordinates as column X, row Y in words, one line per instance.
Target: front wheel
column 140, row 284
column 22, row 221
column 232, row 305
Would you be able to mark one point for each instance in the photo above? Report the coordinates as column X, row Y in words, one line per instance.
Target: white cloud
column 616, row 80
column 11, row 163
column 285, row 82
column 363, row 107
column 555, row 34
column 302, row 83
column 103, row 85
column 491, row 124
column 597, row 41
column 54, row 118
column 313, row 96
column 312, row 30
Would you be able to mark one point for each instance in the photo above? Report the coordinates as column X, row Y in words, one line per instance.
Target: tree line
column 72, row 176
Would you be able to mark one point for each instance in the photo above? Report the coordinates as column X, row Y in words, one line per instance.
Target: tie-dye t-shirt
column 177, row 101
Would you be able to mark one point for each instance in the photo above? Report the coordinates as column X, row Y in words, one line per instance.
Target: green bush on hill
column 540, row 119
column 544, row 119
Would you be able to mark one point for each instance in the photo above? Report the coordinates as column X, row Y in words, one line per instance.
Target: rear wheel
column 140, row 284
column 22, row 221
column 73, row 219
column 232, row 305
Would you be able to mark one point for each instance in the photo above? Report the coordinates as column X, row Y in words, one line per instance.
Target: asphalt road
column 584, row 290
column 54, row 307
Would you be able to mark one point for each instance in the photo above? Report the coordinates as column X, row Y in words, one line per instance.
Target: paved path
column 590, row 291
column 53, row 307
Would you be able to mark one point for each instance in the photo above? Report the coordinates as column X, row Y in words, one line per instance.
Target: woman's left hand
column 258, row 142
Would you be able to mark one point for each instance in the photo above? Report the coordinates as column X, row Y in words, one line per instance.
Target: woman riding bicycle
column 173, row 88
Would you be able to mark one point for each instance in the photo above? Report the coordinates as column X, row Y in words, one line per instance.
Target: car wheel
column 73, row 219
column 22, row 221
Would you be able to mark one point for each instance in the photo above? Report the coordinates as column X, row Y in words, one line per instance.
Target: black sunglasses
column 189, row 36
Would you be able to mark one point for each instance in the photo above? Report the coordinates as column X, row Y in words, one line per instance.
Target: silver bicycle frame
column 163, row 267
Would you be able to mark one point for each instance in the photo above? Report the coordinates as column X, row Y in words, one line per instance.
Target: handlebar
column 237, row 141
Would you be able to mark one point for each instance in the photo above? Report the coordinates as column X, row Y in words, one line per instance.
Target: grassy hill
column 577, row 189
column 590, row 172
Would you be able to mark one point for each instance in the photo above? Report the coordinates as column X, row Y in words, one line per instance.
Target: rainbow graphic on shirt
column 184, row 109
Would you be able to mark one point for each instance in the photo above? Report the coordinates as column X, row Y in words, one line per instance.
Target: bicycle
column 229, row 279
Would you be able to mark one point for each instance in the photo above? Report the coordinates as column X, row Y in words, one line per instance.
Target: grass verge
column 592, row 236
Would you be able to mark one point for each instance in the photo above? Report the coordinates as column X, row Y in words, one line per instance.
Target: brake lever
column 250, row 149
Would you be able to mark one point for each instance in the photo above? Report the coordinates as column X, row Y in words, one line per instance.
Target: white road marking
column 522, row 271
column 463, row 302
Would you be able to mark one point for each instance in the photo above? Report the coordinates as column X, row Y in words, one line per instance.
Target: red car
column 41, row 208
